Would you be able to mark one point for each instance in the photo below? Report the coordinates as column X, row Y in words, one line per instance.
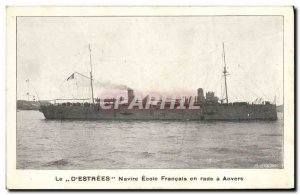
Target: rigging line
column 225, row 74
column 37, row 95
column 103, row 83
column 248, row 89
column 240, row 95
column 235, row 93
column 83, row 75
column 91, row 74
column 72, row 93
column 76, row 86
column 221, row 93
column 62, row 83
column 234, row 96
column 221, row 80
column 232, row 92
column 254, row 82
column 258, row 88
column 261, row 91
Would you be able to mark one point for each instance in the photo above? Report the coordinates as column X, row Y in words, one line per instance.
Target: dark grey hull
column 206, row 112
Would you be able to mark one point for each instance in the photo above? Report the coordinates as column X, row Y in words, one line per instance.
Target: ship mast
column 225, row 73
column 27, row 81
column 91, row 73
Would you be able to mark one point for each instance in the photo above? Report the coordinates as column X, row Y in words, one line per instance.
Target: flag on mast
column 71, row 77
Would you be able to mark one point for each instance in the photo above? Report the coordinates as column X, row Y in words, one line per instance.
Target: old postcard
column 150, row 97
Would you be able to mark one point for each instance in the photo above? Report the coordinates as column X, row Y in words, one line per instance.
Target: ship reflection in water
column 56, row 144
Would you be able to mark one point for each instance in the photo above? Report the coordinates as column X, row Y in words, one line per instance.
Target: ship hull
column 206, row 112
column 240, row 112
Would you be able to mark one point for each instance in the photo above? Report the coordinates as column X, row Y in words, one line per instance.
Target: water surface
column 56, row 144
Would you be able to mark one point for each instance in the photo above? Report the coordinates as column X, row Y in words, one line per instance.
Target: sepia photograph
column 158, row 90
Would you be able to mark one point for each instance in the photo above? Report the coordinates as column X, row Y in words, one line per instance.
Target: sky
column 165, row 55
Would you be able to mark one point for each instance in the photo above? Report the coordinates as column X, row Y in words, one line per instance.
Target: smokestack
column 200, row 97
column 130, row 95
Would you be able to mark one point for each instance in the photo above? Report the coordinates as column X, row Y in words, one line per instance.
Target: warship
column 200, row 107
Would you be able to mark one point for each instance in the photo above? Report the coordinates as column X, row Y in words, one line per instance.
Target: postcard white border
column 252, row 178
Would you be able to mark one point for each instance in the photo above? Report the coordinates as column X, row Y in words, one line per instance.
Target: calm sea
column 50, row 144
